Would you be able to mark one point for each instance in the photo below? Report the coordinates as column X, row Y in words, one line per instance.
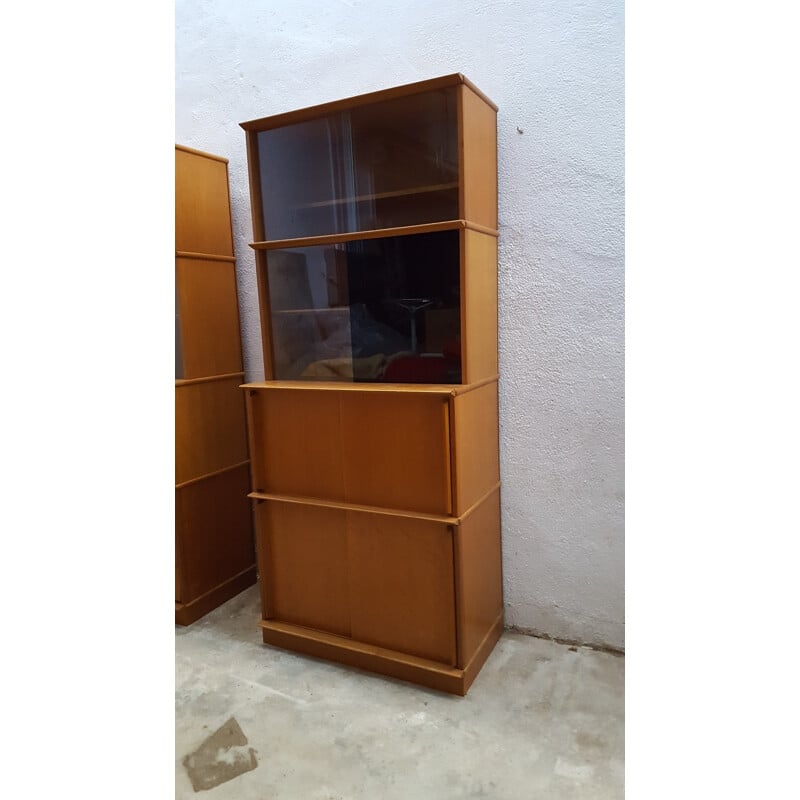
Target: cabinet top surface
column 289, row 117
column 184, row 149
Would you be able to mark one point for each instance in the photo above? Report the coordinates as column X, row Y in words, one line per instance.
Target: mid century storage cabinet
column 214, row 545
column 374, row 438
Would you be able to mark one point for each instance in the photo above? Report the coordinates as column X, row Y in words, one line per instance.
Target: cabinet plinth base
column 187, row 613
column 380, row 659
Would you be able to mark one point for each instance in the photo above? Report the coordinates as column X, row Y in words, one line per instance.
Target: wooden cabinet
column 374, row 436
column 214, row 545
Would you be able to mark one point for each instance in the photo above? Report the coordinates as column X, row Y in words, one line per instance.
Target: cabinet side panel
column 402, row 585
column 215, row 529
column 304, row 570
column 202, row 205
column 479, row 578
column 476, row 445
column 178, row 552
column 480, row 306
column 210, row 428
column 479, row 159
column 297, row 437
column 396, row 451
column 209, row 312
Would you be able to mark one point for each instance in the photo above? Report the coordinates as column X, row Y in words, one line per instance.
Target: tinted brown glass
column 384, row 309
column 384, row 165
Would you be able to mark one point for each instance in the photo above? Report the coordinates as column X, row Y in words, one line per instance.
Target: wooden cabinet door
column 209, row 317
column 402, row 585
column 302, row 553
column 384, row 449
column 296, row 443
column 396, row 450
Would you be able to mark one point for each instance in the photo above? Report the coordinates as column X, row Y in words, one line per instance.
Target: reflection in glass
column 371, row 310
column 384, row 165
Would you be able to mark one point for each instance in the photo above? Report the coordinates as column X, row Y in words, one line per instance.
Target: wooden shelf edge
column 363, row 656
column 187, row 613
column 474, row 226
column 444, row 519
column 208, row 379
column 463, row 388
column 486, row 496
column 443, row 389
column 204, row 256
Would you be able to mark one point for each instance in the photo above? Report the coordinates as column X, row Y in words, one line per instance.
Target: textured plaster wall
column 556, row 70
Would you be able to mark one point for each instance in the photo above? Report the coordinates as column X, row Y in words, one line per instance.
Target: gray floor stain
column 221, row 757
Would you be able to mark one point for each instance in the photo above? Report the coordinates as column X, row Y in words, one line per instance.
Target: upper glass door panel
column 383, row 165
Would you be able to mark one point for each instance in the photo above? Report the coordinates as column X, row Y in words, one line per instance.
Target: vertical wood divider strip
column 460, row 134
column 455, row 534
column 255, row 450
column 448, row 453
column 264, row 552
column 257, row 215
column 254, row 175
column 266, row 315
column 462, row 300
column 348, row 526
column 455, row 510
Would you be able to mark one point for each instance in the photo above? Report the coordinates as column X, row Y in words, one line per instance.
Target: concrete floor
column 542, row 720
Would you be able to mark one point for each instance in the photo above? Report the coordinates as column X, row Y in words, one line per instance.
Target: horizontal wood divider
column 473, row 226
column 389, row 512
column 213, row 474
column 349, row 386
column 477, row 504
column 208, row 379
column 204, row 256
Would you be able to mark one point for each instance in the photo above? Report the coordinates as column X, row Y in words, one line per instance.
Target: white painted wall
column 556, row 70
